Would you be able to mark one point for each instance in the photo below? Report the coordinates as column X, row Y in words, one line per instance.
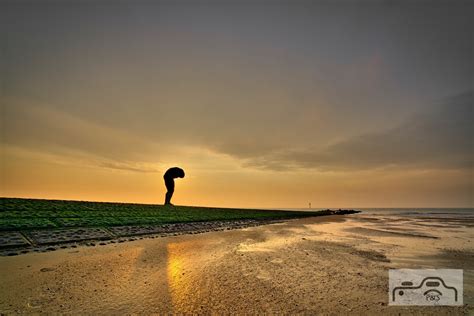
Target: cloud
column 39, row 128
column 127, row 167
column 439, row 137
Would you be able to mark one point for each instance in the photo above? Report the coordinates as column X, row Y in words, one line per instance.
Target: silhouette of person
column 169, row 177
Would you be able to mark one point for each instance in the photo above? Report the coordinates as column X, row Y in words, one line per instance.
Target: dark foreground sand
column 331, row 265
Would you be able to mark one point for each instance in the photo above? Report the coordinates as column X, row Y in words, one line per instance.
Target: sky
column 272, row 104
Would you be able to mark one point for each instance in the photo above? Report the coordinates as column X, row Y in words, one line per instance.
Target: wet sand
column 327, row 265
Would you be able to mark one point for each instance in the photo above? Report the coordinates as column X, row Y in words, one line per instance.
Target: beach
column 318, row 265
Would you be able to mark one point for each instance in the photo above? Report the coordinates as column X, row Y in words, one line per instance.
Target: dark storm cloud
column 440, row 138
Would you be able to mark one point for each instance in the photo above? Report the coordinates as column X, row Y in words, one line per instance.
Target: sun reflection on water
column 178, row 280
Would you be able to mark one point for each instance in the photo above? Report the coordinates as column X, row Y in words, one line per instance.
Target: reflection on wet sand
column 314, row 266
column 178, row 281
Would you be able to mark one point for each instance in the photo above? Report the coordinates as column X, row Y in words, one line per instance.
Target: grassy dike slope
column 27, row 214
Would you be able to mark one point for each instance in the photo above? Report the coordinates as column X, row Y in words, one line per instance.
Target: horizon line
column 254, row 207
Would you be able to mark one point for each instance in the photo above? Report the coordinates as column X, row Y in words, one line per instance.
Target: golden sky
column 274, row 106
